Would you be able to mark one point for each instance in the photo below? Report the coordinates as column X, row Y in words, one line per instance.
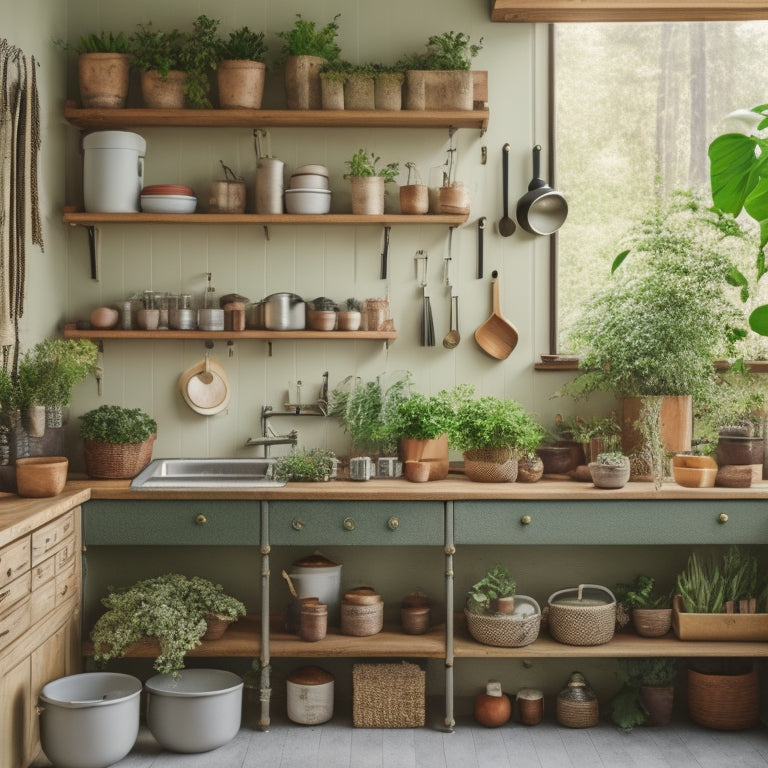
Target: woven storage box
column 718, row 626
column 388, row 695
column 117, row 460
column 583, row 615
column 505, row 631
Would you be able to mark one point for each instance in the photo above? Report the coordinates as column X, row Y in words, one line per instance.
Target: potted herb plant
column 117, row 441
column 494, row 593
column 306, row 466
column 657, row 330
column 610, row 469
column 103, row 69
column 414, row 195
column 241, row 70
column 649, row 611
column 350, row 318
column 368, row 179
column 359, row 87
column 491, row 432
column 647, row 696
column 171, row 608
column 388, row 87
column 305, row 48
column 333, row 75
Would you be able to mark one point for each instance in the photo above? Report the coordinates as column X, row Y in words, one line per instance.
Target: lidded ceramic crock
column 310, row 695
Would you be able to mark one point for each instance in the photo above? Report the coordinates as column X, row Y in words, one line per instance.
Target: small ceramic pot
column 148, row 319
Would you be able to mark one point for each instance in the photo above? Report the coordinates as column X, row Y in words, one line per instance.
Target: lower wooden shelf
column 623, row 644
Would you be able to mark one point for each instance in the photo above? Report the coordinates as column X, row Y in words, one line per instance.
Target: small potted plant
column 171, row 608
column 647, row 695
column 241, row 70
column 359, row 87
column 610, row 469
column 103, row 69
column 333, row 75
column 117, row 441
column 350, row 318
column 305, row 48
column 650, row 612
column 388, row 87
column 414, row 195
column 494, row 593
column 368, row 179
column 491, row 432
column 305, row 466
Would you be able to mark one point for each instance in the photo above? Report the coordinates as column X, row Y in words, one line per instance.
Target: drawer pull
column 297, row 524
column 349, row 524
column 393, row 523
column 201, row 519
column 525, row 520
column 9, row 572
column 722, row 518
column 4, row 632
column 5, row 594
column 65, row 590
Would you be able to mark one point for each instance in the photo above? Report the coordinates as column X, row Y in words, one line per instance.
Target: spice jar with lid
column 415, row 613
column 577, row 705
column 313, row 622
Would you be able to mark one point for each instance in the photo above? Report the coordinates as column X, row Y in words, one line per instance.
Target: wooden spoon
column 496, row 336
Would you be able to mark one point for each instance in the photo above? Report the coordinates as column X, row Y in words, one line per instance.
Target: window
column 636, row 108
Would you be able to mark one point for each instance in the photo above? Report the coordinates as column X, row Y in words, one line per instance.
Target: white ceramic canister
column 310, row 695
column 317, row 576
column 113, row 171
column 269, row 185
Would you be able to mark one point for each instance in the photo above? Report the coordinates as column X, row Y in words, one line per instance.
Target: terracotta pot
column 163, row 93
column 417, row 471
column 433, row 452
column 453, row 199
column 492, row 708
column 657, row 703
column 302, row 82
column 103, row 79
column 241, row 83
column 348, row 321
column 505, row 605
column 367, row 195
column 530, row 470
column 358, row 92
column 331, row 93
column 414, row 199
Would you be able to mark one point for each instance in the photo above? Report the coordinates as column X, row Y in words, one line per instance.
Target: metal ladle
column 453, row 337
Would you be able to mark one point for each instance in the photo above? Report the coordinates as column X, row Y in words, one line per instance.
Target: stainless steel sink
column 198, row 474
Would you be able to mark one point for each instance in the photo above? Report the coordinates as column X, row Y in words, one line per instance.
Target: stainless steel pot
column 284, row 312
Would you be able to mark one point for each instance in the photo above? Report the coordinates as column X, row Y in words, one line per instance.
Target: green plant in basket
column 496, row 583
column 115, row 424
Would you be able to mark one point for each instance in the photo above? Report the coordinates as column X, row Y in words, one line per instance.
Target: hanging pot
column 541, row 210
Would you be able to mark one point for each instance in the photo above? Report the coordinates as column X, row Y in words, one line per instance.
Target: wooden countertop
column 19, row 516
column 453, row 488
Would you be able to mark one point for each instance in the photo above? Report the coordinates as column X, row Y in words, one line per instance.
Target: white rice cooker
column 113, row 171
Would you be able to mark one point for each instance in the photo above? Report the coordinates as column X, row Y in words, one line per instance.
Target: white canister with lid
column 310, row 695
column 113, row 171
column 317, row 576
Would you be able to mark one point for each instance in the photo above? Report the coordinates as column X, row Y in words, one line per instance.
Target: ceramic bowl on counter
column 168, row 203
column 307, row 201
column 694, row 471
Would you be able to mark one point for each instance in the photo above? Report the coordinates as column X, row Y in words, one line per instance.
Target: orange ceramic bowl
column 694, row 471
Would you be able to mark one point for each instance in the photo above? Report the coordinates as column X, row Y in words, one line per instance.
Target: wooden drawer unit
column 393, row 523
column 48, row 538
column 14, row 591
column 66, row 583
column 44, row 572
column 15, row 623
column 14, row 559
column 43, row 600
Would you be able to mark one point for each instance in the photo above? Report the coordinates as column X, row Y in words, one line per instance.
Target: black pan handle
column 480, row 231
column 385, row 254
column 536, row 182
column 505, row 178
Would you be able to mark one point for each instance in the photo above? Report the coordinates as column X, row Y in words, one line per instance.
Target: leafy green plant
column 491, row 422
column 336, row 70
column 102, row 42
column 495, row 584
column 305, row 39
column 640, row 594
column 310, row 465
column 115, row 424
column 364, row 164
column 426, row 417
column 242, row 45
column 353, row 305
column 451, row 50
column 155, row 50
column 625, row 708
column 49, row 371
column 171, row 608
column 612, row 459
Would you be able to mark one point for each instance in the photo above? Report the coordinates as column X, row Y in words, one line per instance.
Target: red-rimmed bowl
column 168, row 189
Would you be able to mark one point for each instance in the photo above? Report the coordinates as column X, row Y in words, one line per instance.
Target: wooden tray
column 718, row 626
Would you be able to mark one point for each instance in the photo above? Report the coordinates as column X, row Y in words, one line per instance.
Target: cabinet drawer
column 43, row 572
column 362, row 523
column 16, row 590
column 14, row 623
column 66, row 554
column 66, row 584
column 14, row 560
column 47, row 538
column 43, row 600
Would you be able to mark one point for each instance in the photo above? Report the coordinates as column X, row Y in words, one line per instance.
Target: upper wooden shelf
column 109, row 119
column 91, row 219
column 627, row 10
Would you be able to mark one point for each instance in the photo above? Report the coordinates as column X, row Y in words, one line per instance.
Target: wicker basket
column 490, row 465
column 388, row 695
column 724, row 702
column 361, row 620
column 217, row 625
column 504, row 631
column 117, row 460
column 652, row 622
column 577, row 705
column 577, row 617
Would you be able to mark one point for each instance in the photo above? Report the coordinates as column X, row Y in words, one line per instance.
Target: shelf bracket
column 266, row 231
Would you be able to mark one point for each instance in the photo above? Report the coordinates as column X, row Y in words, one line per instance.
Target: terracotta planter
column 331, row 93
column 657, row 703
column 367, row 195
column 676, row 424
column 557, row 459
column 163, row 93
column 302, row 82
column 388, row 91
column 241, row 83
column 414, row 199
column 103, row 79
column 453, row 199
column 348, row 321
column 433, row 452
column 530, row 470
column 358, row 92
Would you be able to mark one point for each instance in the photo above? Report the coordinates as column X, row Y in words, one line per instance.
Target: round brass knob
column 201, row 519
column 297, row 524
column 525, row 520
column 349, row 524
column 393, row 523
column 722, row 518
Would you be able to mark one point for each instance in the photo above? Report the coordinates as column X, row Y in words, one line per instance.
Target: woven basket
column 361, row 620
column 388, row 695
column 509, row 631
column 117, row 460
column 584, row 620
column 724, row 702
column 578, row 714
column 217, row 625
column 492, row 465
column 652, row 622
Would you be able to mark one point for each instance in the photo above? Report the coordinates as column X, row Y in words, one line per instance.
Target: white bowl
column 320, row 170
column 307, row 200
column 308, row 181
column 168, row 203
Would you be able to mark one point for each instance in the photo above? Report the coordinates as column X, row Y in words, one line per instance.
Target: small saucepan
column 541, row 210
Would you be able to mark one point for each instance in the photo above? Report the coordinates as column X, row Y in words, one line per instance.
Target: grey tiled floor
column 337, row 744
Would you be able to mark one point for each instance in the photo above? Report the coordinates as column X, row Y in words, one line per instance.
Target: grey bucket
column 89, row 720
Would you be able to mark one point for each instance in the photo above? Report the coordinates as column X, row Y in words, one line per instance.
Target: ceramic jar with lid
column 492, row 708
column 415, row 613
column 310, row 695
column 577, row 705
column 313, row 622
column 530, row 702
column 362, row 612
column 317, row 576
